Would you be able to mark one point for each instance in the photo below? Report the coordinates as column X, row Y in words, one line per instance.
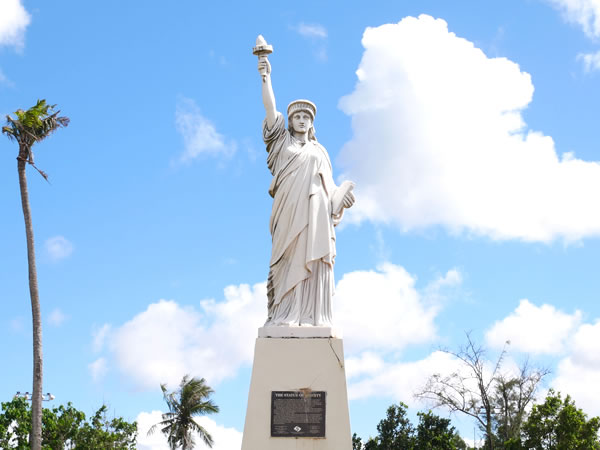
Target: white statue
column 307, row 205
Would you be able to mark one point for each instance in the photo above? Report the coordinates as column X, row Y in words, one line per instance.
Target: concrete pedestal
column 289, row 364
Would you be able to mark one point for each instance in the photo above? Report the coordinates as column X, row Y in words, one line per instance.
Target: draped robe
column 300, row 283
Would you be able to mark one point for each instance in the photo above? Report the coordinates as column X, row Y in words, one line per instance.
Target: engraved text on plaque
column 298, row 414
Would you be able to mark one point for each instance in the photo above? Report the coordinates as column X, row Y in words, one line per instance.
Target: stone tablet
column 298, row 414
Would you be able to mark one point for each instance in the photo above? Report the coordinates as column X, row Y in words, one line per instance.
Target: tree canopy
column 557, row 424
column 65, row 427
column 396, row 432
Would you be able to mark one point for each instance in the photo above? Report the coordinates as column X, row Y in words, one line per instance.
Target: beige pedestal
column 290, row 364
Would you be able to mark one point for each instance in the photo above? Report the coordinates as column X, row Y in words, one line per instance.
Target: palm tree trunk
column 35, row 438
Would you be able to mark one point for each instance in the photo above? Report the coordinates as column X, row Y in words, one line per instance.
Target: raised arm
column 264, row 68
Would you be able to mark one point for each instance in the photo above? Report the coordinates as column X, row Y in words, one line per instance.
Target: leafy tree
column 61, row 427
column 104, row 433
column 558, row 424
column 357, row 442
column 190, row 400
column 15, row 424
column 395, row 432
column 65, row 427
column 436, row 433
column 29, row 127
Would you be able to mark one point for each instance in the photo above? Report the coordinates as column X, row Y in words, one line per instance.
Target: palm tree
column 191, row 399
column 29, row 127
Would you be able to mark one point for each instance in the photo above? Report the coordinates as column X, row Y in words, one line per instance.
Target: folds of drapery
column 302, row 228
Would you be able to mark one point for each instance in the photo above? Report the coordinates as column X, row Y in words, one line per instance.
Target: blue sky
column 470, row 129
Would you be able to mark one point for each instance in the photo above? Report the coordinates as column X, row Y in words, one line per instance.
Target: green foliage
column 558, row 424
column 61, row 425
column 107, row 433
column 190, row 400
column 15, row 423
column 395, row 432
column 35, row 124
column 435, row 433
column 356, row 442
column 65, row 427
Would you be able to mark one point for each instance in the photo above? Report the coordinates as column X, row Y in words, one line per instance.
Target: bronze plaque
column 298, row 414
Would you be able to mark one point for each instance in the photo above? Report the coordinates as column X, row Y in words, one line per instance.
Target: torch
column 261, row 50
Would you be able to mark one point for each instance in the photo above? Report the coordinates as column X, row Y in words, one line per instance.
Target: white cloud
column 591, row 61
column 58, row 247
column 56, row 317
column 224, row 438
column 100, row 336
column 585, row 346
column 200, row 137
column 98, row 369
column 312, row 30
column 447, row 143
column 167, row 341
column 585, row 13
column 579, row 372
column 581, row 383
column 13, row 22
column 546, row 330
column 367, row 363
column 383, row 310
column 401, row 380
column 533, row 329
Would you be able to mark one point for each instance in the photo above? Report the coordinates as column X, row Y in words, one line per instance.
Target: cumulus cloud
column 372, row 340
column 98, row 369
column 13, row 22
column 401, row 380
column 533, row 329
column 312, row 30
column 585, row 346
column 585, row 13
column 224, row 438
column 167, row 341
column 200, row 136
column 591, row 61
column 447, row 143
column 56, row 317
column 368, row 363
column 546, row 330
column 578, row 373
column 58, row 247
column 361, row 297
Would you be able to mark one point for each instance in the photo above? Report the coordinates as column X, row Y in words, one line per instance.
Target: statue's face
column 301, row 122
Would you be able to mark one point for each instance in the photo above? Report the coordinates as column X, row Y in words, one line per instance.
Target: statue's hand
column 264, row 66
column 349, row 199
